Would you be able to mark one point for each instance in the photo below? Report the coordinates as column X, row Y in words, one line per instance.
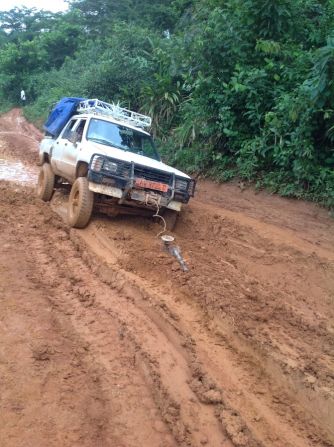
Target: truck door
column 59, row 145
column 69, row 145
column 71, row 148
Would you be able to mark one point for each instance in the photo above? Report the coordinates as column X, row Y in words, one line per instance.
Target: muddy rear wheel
column 80, row 205
column 46, row 183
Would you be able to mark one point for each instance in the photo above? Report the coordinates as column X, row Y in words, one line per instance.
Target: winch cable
column 153, row 201
column 172, row 249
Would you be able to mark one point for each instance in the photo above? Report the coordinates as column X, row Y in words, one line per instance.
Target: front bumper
column 137, row 195
column 124, row 184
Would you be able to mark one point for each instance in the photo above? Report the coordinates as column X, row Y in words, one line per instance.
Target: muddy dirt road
column 105, row 341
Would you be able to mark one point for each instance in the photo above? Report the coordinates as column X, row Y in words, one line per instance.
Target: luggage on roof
column 60, row 114
column 67, row 107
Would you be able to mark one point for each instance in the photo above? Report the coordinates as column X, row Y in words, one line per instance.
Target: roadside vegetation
column 237, row 88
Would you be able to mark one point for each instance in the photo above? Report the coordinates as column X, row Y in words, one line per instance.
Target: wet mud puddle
column 17, row 172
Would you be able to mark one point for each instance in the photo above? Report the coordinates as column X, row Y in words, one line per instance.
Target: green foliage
column 25, row 23
column 99, row 16
column 268, row 19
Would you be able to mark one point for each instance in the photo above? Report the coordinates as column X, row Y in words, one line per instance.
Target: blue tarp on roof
column 60, row 114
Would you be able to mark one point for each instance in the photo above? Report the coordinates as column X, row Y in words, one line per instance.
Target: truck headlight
column 97, row 163
column 181, row 184
column 100, row 163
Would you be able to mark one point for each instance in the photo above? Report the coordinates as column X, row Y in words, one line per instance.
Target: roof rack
column 115, row 111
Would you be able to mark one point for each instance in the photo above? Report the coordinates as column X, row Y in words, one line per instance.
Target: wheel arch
column 81, row 169
column 44, row 157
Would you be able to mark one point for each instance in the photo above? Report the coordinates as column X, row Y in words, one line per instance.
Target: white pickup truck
column 109, row 159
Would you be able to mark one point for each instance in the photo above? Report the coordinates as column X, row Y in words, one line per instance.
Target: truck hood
column 128, row 156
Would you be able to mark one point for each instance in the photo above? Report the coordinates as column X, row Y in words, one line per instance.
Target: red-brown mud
column 105, row 341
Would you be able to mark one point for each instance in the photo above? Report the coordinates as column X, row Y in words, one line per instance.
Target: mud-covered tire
column 80, row 204
column 171, row 218
column 46, row 183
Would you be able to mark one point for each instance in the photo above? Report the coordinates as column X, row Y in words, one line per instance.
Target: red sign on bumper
column 142, row 183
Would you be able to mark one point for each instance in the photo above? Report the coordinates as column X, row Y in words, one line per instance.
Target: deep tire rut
column 214, row 357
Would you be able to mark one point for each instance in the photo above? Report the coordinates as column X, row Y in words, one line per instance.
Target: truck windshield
column 121, row 137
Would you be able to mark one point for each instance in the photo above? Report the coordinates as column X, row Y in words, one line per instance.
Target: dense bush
column 236, row 88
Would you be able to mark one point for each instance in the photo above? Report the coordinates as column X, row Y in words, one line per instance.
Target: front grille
column 153, row 175
column 123, row 169
column 127, row 172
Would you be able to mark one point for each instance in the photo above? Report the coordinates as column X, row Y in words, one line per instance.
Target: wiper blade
column 106, row 142
column 100, row 140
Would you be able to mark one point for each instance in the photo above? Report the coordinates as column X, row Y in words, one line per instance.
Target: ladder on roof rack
column 119, row 113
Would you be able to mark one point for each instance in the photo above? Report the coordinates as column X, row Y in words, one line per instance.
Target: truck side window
column 68, row 129
column 80, row 129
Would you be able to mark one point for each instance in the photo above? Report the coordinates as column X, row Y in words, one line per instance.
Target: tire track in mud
column 129, row 416
column 281, row 370
column 49, row 394
column 215, row 359
column 163, row 360
column 79, row 294
column 274, row 412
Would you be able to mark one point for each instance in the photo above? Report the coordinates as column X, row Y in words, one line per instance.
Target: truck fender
column 81, row 169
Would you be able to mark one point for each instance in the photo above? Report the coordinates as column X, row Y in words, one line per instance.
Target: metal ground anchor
column 174, row 250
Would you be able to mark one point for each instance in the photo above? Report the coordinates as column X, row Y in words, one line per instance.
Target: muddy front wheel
column 46, row 183
column 80, row 205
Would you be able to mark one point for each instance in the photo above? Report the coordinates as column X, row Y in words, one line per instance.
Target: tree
column 26, row 23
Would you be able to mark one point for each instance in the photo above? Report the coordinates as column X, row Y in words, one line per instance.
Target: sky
column 49, row 5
